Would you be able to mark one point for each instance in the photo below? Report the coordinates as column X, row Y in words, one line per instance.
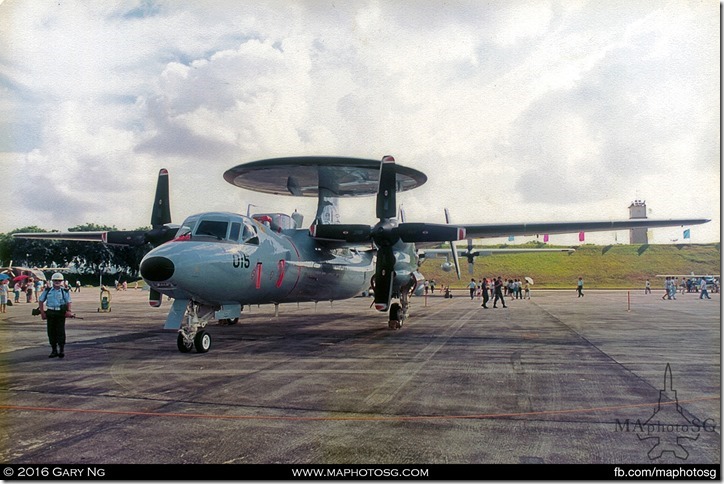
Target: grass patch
column 603, row 267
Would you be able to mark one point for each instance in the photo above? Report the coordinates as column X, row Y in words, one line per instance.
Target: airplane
column 215, row 263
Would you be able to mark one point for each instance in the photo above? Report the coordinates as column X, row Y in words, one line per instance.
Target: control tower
column 637, row 210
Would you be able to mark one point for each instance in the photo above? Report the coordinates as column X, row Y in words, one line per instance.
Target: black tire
column 395, row 316
column 183, row 347
column 202, row 341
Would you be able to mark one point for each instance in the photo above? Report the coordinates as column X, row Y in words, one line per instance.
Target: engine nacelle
column 447, row 267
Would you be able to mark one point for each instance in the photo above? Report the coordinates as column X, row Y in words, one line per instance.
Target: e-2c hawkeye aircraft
column 215, row 263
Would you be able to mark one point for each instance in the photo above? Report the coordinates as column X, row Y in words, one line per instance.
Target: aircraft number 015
column 240, row 260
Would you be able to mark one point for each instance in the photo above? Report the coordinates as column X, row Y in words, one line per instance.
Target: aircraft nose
column 157, row 269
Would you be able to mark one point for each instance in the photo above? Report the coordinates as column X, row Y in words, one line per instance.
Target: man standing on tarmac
column 55, row 307
column 499, row 292
column 484, row 290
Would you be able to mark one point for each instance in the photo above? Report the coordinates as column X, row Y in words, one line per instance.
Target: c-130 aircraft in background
column 215, row 263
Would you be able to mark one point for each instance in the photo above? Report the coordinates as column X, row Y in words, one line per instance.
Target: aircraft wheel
column 202, row 341
column 183, row 346
column 395, row 316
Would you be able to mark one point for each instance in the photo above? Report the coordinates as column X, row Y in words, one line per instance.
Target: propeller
column 386, row 233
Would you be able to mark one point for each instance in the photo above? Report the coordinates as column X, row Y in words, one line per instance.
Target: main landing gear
column 192, row 333
column 399, row 312
column 397, row 316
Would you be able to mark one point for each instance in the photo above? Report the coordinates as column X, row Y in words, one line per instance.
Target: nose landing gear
column 192, row 335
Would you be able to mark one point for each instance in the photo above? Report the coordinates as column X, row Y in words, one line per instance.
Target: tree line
column 84, row 258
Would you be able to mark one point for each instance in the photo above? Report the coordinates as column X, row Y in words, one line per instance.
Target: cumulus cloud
column 512, row 109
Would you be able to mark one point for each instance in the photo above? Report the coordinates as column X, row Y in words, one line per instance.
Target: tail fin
column 161, row 213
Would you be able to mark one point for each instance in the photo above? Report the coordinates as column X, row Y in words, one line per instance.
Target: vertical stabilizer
column 161, row 213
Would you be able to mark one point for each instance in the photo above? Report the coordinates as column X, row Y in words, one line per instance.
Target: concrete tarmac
column 554, row 379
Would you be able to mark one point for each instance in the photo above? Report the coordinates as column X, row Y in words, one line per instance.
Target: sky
column 517, row 111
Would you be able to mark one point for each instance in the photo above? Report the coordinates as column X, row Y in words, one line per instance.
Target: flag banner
column 581, row 236
column 545, row 238
column 687, row 233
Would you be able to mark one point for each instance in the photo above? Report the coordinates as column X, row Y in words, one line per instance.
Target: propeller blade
column 384, row 273
column 387, row 189
column 422, row 232
column 453, row 248
column 353, row 233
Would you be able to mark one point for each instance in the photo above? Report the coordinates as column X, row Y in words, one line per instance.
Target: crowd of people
column 495, row 288
column 673, row 286
column 498, row 288
column 28, row 287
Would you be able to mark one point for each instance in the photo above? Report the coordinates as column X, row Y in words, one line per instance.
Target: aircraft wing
column 504, row 230
column 114, row 237
column 482, row 252
column 132, row 238
column 162, row 230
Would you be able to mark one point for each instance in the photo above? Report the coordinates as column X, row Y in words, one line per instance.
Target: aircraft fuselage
column 241, row 261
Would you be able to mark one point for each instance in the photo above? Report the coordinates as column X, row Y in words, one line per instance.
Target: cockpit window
column 212, row 228
column 249, row 235
column 187, row 227
column 235, row 231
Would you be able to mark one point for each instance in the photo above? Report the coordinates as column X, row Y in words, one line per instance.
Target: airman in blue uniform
column 55, row 305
